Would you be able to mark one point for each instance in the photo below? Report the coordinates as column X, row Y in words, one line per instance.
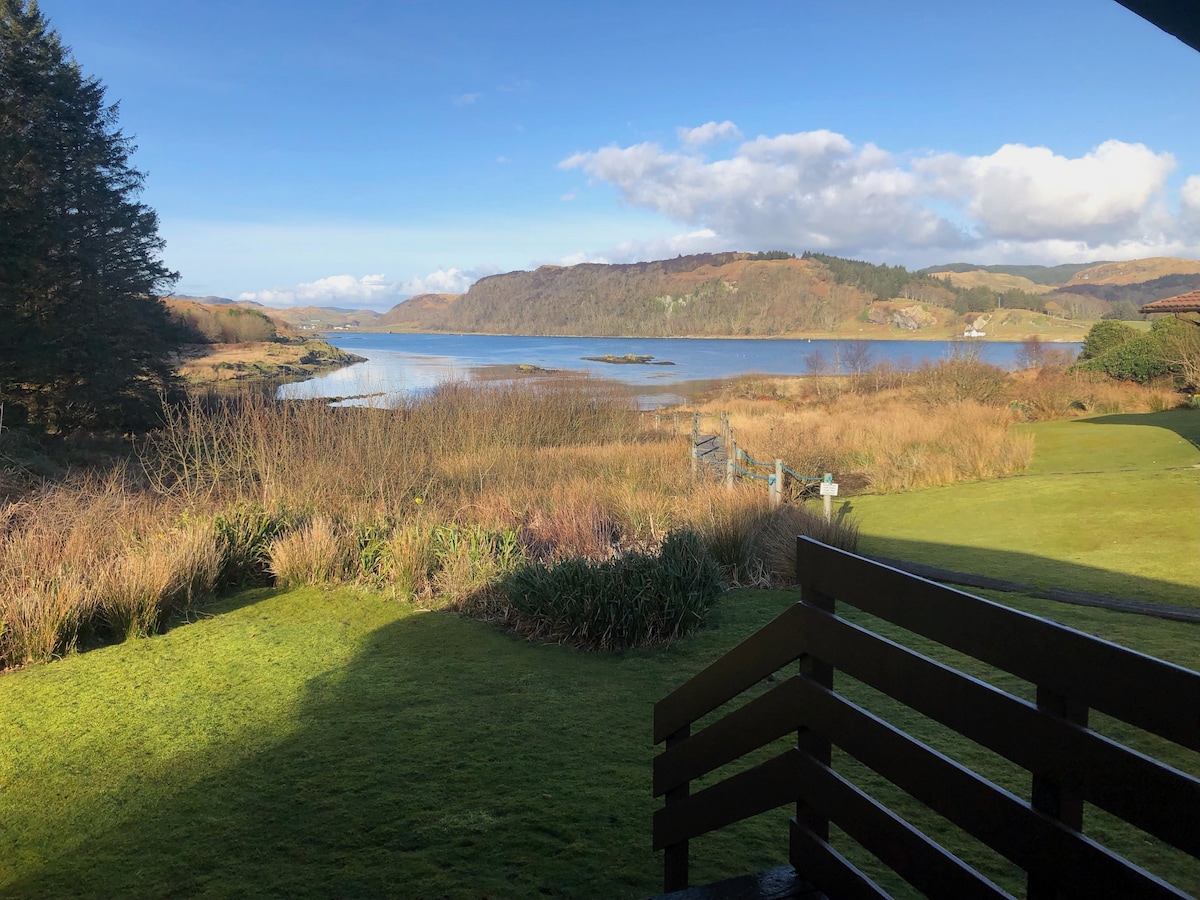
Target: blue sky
column 355, row 153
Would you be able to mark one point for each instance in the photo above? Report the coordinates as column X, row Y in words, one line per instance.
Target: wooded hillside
column 712, row 294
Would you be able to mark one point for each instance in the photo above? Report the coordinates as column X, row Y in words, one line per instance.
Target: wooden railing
column 1068, row 762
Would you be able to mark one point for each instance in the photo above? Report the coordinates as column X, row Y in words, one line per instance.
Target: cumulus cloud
column 818, row 190
column 1031, row 193
column 1189, row 198
column 369, row 291
column 709, row 132
column 704, row 240
column 445, row 281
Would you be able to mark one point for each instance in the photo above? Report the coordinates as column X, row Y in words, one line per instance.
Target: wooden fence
column 1068, row 762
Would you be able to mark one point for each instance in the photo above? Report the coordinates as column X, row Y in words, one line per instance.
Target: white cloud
column 503, row 159
column 817, row 190
column 812, row 190
column 465, row 99
column 1032, row 193
column 445, row 281
column 709, row 132
column 1189, row 198
column 704, row 240
column 342, row 290
column 369, row 291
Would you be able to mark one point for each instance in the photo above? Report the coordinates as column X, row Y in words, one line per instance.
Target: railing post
column 675, row 857
column 1053, row 796
column 778, row 497
column 813, row 743
column 695, row 446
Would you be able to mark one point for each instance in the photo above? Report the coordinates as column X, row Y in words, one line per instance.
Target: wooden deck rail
column 1069, row 763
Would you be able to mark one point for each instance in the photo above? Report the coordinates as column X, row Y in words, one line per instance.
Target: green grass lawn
column 309, row 743
column 1111, row 504
column 333, row 743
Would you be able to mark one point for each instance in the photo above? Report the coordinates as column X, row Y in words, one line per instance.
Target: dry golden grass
column 316, row 553
column 436, row 500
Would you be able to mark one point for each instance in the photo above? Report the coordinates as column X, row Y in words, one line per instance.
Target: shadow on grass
column 1029, row 569
column 1184, row 422
column 447, row 759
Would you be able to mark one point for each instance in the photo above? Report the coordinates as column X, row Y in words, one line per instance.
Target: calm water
column 413, row 363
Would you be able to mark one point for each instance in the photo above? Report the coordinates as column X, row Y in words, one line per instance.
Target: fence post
column 777, row 496
column 675, row 857
column 808, row 740
column 695, row 448
column 730, row 457
column 1051, row 794
column 828, row 500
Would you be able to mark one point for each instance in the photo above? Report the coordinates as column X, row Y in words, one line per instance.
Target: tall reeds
column 440, row 498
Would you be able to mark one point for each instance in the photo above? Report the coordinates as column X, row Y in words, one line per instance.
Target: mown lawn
column 1111, row 505
column 310, row 743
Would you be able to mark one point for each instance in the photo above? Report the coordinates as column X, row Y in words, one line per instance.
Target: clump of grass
column 633, row 600
column 775, row 538
column 316, row 553
column 244, row 533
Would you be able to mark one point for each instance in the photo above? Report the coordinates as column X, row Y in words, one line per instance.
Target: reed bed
column 439, row 500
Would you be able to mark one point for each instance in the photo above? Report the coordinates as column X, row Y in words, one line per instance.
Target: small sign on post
column 829, row 490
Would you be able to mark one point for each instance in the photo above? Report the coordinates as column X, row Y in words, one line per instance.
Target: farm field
column 1109, row 505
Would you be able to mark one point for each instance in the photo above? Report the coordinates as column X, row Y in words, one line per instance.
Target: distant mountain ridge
column 761, row 294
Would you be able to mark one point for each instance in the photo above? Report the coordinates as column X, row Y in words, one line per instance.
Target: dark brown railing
column 1069, row 763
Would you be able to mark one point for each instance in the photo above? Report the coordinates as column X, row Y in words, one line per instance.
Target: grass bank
column 1108, row 504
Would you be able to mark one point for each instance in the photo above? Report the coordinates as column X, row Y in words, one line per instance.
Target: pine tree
column 84, row 336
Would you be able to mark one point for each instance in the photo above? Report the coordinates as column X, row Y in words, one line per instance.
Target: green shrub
column 1140, row 359
column 1104, row 336
column 630, row 601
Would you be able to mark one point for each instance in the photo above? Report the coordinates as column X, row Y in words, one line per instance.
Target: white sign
column 828, row 488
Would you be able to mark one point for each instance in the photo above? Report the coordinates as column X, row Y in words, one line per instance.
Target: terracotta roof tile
column 1189, row 302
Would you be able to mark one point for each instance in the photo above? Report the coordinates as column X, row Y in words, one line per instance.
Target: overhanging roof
column 1178, row 17
column 1189, row 302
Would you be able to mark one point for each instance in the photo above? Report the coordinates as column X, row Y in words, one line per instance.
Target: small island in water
column 629, row 359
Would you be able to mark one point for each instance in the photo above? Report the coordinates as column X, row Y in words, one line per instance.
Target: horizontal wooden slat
column 754, row 725
column 741, row 796
column 1147, row 692
column 921, row 862
column 824, row 866
column 744, row 666
column 1100, row 771
column 1033, row 841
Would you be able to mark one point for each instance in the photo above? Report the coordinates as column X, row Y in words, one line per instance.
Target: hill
column 996, row 281
column 230, row 342
column 1045, row 275
column 1135, row 271
column 323, row 318
column 713, row 294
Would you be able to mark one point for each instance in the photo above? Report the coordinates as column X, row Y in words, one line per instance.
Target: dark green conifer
column 84, row 336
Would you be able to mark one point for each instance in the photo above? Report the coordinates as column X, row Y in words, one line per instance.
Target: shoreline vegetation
column 436, row 500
